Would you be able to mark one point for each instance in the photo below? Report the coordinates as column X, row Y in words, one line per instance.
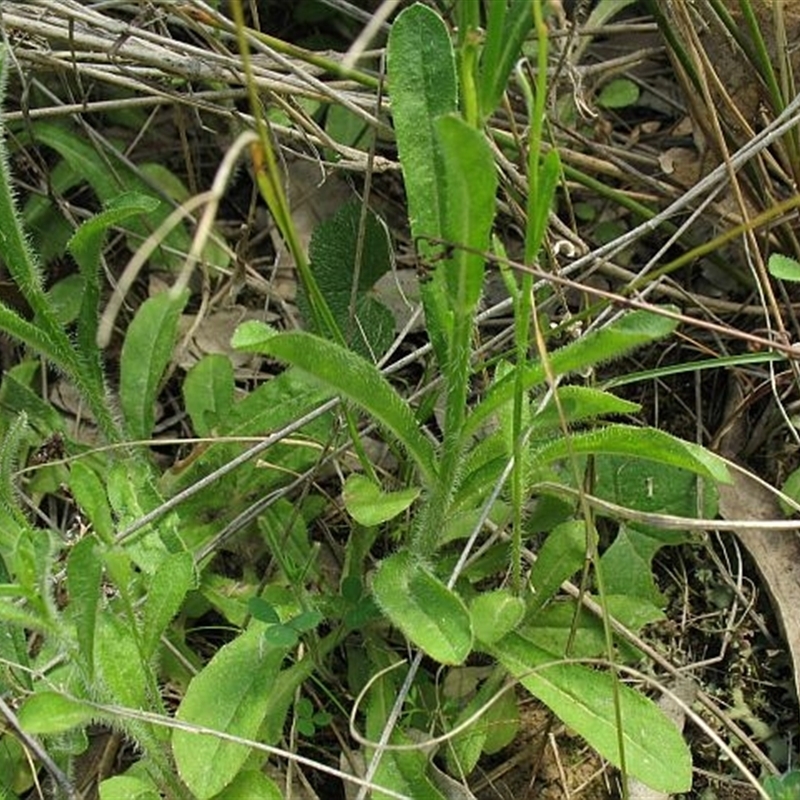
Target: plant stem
column 425, row 538
column 537, row 210
column 45, row 333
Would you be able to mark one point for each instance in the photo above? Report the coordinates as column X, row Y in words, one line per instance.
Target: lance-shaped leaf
column 229, row 695
column 347, row 374
column 432, row 616
column 423, row 86
column 647, row 443
column 631, row 331
column 584, row 699
column 145, row 354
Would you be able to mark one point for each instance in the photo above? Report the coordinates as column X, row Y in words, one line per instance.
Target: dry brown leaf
column 685, row 691
column 214, row 335
column 682, row 163
column 776, row 554
column 398, row 290
column 314, row 195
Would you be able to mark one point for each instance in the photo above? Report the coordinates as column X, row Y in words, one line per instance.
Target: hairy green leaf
column 15, row 250
column 560, row 557
column 469, row 207
column 423, row 86
column 208, row 392
column 432, row 616
column 84, row 574
column 45, row 335
column 649, row 444
column 86, row 248
column 494, row 614
column 369, row 505
column 250, row 784
column 625, row 334
column 229, row 695
column 86, row 244
column 131, row 495
column 332, row 254
column 27, row 332
column 146, row 352
column 348, row 374
column 173, row 578
column 583, row 698
column 17, row 395
column 118, row 663
column 579, row 403
column 652, row 487
column 49, row 713
column 90, row 495
column 129, row 787
column 11, row 443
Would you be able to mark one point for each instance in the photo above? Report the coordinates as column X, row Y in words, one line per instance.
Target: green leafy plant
column 114, row 636
column 783, row 787
column 783, row 267
column 449, row 175
column 225, row 547
column 618, row 93
column 80, row 162
column 345, row 271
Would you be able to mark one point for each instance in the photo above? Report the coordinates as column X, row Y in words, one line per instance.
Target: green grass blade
column 504, row 37
column 718, row 362
column 547, row 178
